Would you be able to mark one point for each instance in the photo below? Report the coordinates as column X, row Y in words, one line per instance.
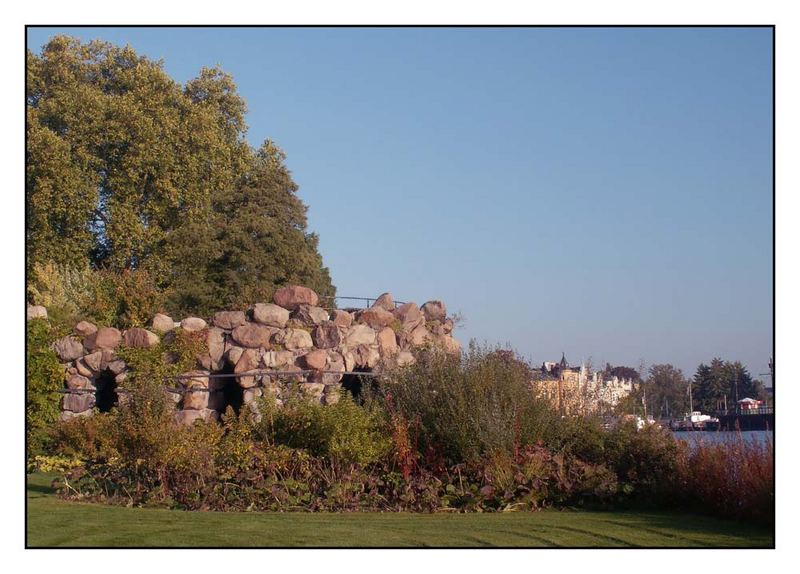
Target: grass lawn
column 54, row 522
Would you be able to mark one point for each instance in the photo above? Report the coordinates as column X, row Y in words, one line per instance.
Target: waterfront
column 714, row 437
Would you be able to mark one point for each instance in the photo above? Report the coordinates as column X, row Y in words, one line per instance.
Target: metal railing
column 368, row 301
column 739, row 411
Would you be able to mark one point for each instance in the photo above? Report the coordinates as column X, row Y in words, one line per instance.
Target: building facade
column 576, row 390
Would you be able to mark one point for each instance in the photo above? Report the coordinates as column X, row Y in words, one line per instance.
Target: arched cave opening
column 357, row 385
column 105, row 394
column 225, row 391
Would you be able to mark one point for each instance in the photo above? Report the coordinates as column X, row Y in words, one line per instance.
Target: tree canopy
column 127, row 170
column 723, row 382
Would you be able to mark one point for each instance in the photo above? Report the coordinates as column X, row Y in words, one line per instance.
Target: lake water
column 712, row 437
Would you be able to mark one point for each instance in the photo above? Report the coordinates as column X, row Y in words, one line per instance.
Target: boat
column 695, row 421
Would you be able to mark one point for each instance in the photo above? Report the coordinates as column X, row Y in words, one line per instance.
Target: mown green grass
column 54, row 522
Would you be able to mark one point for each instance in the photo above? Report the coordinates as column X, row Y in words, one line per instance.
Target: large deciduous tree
column 666, row 391
column 127, row 170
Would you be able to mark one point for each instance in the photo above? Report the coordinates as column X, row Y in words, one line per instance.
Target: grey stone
column 36, row 312
column 195, row 400
column 309, row 315
column 117, row 366
column 409, row 316
column 229, row 319
column 434, row 311
column 385, row 301
column 387, row 341
column 270, row 314
column 326, row 336
column 193, row 324
column 376, row 317
column 78, row 402
column 341, row 318
column 85, row 328
column 94, row 361
column 79, row 382
column 138, row 338
column 103, row 338
column 68, row 348
column 253, row 335
column 294, row 339
column 360, row 335
column 162, row 323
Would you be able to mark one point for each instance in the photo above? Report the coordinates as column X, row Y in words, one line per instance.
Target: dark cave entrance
column 105, row 394
column 225, row 391
column 358, row 385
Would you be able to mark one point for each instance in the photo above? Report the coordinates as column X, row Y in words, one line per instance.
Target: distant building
column 574, row 390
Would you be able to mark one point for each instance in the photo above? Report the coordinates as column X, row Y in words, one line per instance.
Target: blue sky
column 602, row 192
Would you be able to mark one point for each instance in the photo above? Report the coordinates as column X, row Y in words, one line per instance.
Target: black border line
column 773, row 27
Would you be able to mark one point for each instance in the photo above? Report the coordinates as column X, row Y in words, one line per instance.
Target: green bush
column 45, row 378
column 580, row 437
column 645, row 460
column 64, row 290
column 126, row 299
column 464, row 407
column 176, row 354
column 345, row 433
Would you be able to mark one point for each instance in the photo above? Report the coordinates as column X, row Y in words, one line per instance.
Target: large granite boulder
column 385, row 301
column 162, row 323
column 316, row 359
column 326, row 336
column 308, row 315
column 193, row 324
column 409, row 316
column 292, row 296
column 270, row 314
column 188, row 417
column 68, row 348
column 341, row 318
column 195, row 400
column 95, row 361
column 360, row 335
column 387, row 341
column 85, row 328
column 36, row 312
column 376, row 317
column 253, row 335
column 229, row 319
column 79, row 382
column 138, row 338
column 78, row 402
column 103, row 338
column 366, row 356
column 294, row 339
column 434, row 311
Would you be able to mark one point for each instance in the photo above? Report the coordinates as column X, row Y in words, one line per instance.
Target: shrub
column 344, row 433
column 734, row 479
column 45, row 377
column 64, row 290
column 465, row 407
column 126, row 299
column 177, row 354
column 645, row 461
column 579, row 437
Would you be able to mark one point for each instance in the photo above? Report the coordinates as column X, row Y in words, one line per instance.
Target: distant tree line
column 144, row 181
column 664, row 391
